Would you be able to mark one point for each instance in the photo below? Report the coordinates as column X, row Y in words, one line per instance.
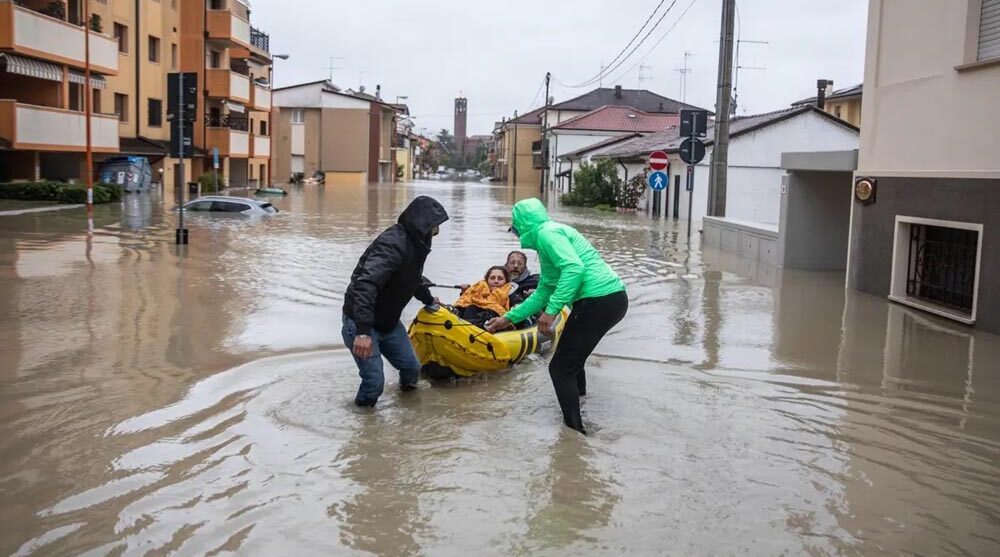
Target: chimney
column 618, row 91
column 660, row 107
column 378, row 92
column 823, row 87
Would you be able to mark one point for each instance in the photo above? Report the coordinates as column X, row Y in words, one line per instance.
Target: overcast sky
column 497, row 53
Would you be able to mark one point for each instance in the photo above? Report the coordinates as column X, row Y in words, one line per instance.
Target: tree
column 446, row 143
column 594, row 184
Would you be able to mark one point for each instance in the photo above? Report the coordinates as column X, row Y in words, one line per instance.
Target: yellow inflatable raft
column 446, row 344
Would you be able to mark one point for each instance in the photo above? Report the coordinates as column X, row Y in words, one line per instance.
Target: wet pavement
column 156, row 402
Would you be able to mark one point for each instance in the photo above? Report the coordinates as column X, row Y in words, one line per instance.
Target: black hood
column 421, row 216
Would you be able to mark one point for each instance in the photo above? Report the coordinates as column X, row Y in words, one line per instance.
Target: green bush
column 594, row 184
column 207, row 181
column 630, row 193
column 59, row 191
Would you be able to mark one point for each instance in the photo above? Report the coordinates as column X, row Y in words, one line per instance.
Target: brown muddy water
column 156, row 402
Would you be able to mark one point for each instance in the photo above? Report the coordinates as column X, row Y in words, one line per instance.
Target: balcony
column 225, row 25
column 229, row 133
column 43, row 36
column 261, row 147
column 42, row 128
column 226, row 84
column 261, row 98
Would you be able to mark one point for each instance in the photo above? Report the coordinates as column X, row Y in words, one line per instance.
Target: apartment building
column 348, row 136
column 134, row 46
column 233, row 63
column 43, row 89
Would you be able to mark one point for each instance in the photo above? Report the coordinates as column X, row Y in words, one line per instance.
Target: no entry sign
column 658, row 160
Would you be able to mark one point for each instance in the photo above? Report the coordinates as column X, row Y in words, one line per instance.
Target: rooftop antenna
column 736, row 78
column 600, row 82
column 331, row 67
column 684, row 73
column 642, row 75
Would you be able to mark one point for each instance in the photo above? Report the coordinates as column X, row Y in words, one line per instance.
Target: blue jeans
column 395, row 346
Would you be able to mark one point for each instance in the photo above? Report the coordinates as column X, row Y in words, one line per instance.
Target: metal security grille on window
column 989, row 30
column 942, row 265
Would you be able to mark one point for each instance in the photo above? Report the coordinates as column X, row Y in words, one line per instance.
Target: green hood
column 528, row 216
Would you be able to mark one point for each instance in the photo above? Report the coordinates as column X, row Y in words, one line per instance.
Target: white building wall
column 308, row 96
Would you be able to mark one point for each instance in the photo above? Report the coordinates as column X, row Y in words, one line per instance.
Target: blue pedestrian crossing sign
column 658, row 181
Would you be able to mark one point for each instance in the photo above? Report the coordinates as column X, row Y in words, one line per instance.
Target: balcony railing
column 238, row 123
column 44, row 128
column 260, row 39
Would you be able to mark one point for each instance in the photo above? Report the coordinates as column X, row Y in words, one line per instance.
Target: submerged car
column 231, row 205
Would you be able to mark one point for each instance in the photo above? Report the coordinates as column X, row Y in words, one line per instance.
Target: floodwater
column 157, row 402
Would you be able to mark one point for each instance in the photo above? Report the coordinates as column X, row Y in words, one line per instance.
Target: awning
column 20, row 65
column 96, row 81
column 235, row 107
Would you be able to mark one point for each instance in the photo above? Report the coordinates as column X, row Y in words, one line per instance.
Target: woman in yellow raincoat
column 487, row 298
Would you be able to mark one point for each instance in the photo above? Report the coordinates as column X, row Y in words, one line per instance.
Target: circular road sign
column 692, row 150
column 658, row 160
column 658, row 181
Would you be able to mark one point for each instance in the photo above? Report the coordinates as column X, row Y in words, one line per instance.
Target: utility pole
column 87, row 95
column 542, row 147
column 723, row 97
column 514, row 149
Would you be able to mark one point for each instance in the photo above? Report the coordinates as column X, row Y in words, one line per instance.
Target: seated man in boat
column 485, row 299
column 517, row 266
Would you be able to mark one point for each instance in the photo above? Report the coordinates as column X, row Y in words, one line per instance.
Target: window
column 121, row 107
column 989, row 31
column 934, row 266
column 154, row 49
column 155, row 113
column 836, row 111
column 173, row 56
column 199, row 206
column 262, row 177
column 217, row 5
column 298, row 116
column 215, row 59
column 229, row 207
column 263, row 127
column 76, row 97
column 95, row 99
column 121, row 35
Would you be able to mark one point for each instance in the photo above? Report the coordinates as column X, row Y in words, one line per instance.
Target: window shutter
column 989, row 30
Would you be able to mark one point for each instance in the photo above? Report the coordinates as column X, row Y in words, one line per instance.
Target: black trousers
column 589, row 321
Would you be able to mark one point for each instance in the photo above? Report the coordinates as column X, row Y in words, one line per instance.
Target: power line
column 612, row 67
column 632, row 40
column 538, row 92
column 657, row 43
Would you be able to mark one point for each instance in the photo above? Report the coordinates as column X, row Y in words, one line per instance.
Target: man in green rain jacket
column 573, row 274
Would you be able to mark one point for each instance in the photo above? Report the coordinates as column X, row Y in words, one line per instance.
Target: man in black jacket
column 387, row 276
column 517, row 266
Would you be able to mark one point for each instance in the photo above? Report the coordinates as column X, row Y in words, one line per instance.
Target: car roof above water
column 227, row 198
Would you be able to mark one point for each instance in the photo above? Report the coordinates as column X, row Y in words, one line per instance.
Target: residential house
column 514, row 142
column 233, row 65
column 756, row 144
column 842, row 103
column 319, row 128
column 925, row 224
column 43, row 90
column 558, row 113
column 597, row 127
column 403, row 143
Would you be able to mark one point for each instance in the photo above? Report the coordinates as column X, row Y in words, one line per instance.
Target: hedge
column 59, row 191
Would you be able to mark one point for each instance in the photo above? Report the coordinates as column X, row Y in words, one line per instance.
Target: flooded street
column 202, row 402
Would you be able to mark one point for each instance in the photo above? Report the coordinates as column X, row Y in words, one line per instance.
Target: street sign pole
column 181, row 237
column 690, row 190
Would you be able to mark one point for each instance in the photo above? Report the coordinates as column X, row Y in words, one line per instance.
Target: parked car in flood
column 230, row 205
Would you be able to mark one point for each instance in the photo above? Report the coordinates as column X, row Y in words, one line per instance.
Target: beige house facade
column 924, row 221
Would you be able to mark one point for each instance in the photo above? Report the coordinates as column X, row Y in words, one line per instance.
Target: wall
column 850, row 109
column 913, row 92
column 815, row 220
column 953, row 199
column 526, row 135
column 345, row 140
column 563, row 142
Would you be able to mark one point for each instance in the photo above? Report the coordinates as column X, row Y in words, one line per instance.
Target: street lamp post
column 270, row 114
